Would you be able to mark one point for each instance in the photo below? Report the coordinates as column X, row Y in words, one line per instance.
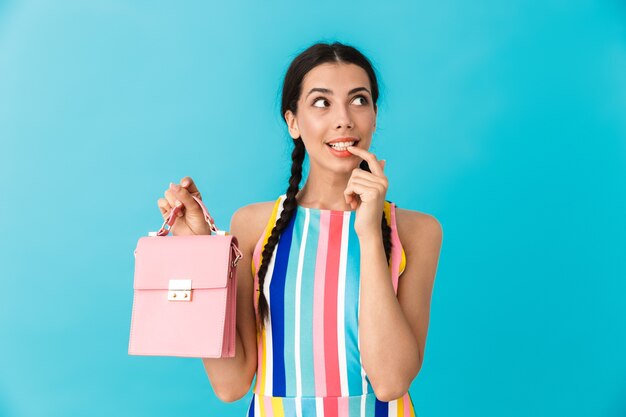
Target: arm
column 231, row 377
column 391, row 367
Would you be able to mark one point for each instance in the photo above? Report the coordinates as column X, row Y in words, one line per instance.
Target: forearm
column 389, row 350
column 230, row 377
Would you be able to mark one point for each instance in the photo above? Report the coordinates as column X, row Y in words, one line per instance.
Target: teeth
column 342, row 146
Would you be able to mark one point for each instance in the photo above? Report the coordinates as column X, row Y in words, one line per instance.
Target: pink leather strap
column 167, row 224
column 163, row 231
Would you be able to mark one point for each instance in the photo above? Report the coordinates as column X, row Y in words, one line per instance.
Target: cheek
column 313, row 126
column 367, row 118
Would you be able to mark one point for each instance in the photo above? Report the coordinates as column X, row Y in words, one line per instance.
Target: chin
column 346, row 167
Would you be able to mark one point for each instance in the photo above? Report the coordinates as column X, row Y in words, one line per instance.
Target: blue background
column 504, row 120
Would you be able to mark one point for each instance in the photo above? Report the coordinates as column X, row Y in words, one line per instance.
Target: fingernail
column 185, row 183
column 175, row 187
column 178, row 203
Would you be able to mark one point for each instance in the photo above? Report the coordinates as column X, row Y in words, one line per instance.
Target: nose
column 344, row 118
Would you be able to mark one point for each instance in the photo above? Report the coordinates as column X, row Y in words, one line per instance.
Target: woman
column 331, row 329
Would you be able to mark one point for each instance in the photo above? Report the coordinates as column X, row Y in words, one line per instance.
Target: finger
column 164, row 207
column 170, row 197
column 353, row 200
column 368, row 176
column 182, row 194
column 369, row 157
column 172, row 201
column 367, row 185
column 190, row 185
column 351, row 194
column 364, row 191
column 361, row 173
column 347, row 194
column 365, row 182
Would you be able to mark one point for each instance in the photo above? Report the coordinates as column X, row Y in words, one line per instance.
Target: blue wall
column 505, row 120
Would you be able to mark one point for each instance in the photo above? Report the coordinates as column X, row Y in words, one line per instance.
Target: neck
column 324, row 189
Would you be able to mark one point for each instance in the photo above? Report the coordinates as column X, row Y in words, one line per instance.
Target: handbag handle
column 169, row 222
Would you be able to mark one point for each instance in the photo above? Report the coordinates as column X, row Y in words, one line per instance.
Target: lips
column 340, row 154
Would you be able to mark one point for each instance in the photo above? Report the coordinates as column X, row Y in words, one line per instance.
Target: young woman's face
column 343, row 109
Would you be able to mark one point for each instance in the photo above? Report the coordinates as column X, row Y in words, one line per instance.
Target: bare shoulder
column 416, row 228
column 249, row 221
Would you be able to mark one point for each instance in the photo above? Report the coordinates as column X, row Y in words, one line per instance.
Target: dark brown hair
column 313, row 56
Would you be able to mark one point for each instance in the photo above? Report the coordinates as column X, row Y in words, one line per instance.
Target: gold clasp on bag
column 179, row 290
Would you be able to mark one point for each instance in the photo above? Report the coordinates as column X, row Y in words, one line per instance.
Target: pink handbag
column 185, row 293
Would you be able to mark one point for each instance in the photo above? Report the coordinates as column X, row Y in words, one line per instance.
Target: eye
column 363, row 97
column 318, row 99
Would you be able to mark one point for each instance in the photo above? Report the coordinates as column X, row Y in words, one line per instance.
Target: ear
column 375, row 114
column 292, row 124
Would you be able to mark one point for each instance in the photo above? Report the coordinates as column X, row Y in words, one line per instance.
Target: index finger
column 188, row 184
column 370, row 158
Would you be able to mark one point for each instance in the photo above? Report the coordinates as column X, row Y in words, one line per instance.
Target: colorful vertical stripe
column 354, row 406
column 309, row 360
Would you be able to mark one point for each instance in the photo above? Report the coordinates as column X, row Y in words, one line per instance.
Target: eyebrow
column 327, row 91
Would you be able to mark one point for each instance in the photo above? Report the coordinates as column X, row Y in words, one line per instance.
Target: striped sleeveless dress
column 309, row 362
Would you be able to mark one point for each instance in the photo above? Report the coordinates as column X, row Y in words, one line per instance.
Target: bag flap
column 204, row 259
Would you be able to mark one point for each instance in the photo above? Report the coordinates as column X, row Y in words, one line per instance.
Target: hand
column 366, row 192
column 190, row 220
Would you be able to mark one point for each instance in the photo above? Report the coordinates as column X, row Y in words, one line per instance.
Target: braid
column 386, row 237
column 289, row 207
